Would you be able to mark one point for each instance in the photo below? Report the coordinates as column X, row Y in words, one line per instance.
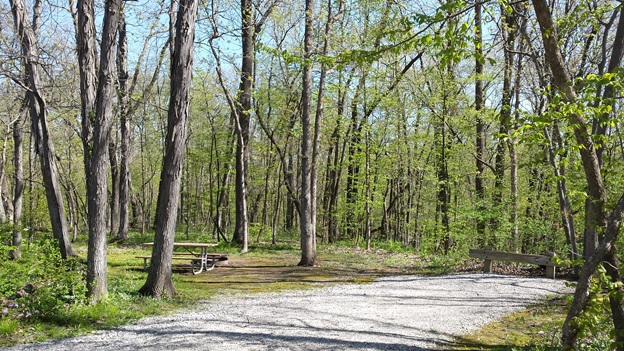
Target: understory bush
column 40, row 283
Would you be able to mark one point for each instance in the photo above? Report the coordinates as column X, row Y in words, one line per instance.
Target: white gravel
column 393, row 313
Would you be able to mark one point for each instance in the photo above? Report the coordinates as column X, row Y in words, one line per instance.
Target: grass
column 535, row 328
column 267, row 268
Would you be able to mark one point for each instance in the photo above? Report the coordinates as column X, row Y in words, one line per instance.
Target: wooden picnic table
column 196, row 253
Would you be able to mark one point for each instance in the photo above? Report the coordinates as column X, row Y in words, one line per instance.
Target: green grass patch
column 8, row 327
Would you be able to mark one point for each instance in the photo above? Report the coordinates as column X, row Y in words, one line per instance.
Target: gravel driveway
column 393, row 313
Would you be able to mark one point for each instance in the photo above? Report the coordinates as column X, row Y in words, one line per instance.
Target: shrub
column 41, row 282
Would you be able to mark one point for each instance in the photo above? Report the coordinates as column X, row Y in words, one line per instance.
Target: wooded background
column 439, row 128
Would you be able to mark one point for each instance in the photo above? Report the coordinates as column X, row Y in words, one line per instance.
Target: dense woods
column 437, row 125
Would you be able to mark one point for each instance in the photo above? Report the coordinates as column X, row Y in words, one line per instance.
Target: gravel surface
column 393, row 313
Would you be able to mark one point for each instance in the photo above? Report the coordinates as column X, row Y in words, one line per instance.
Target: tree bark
column 97, row 117
column 114, row 188
column 18, row 188
column 124, row 122
column 242, row 115
column 39, row 127
column 307, row 216
column 480, row 126
column 159, row 281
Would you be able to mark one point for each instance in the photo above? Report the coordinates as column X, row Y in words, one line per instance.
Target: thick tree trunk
column 39, row 127
column 97, row 109
column 85, row 38
column 242, row 115
column 159, row 281
column 307, row 216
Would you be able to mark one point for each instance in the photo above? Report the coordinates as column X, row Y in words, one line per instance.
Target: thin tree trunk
column 367, row 209
column 114, row 199
column 159, row 280
column 480, row 126
column 443, row 191
column 565, row 207
column 18, row 189
column 124, row 122
column 5, row 205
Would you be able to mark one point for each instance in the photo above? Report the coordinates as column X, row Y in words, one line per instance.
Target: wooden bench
column 488, row 256
column 216, row 259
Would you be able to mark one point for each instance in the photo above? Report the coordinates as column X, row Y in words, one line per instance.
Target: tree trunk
column 124, row 165
column 97, row 108
column 565, row 207
column 114, row 199
column 124, row 128
column 39, row 127
column 308, row 215
column 18, row 189
column 443, row 192
column 480, row 126
column 159, row 281
column 242, row 115
column 6, row 210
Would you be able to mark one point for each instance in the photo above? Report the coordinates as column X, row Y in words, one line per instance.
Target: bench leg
column 550, row 271
column 145, row 264
column 487, row 266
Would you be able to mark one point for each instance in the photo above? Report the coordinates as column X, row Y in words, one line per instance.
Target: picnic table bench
column 199, row 260
column 489, row 255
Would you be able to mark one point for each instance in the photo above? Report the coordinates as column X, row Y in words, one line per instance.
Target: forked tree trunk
column 97, row 118
column 159, row 281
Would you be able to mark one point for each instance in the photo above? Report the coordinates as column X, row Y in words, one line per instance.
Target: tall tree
column 124, row 123
column 604, row 221
column 242, row 114
column 126, row 87
column 308, row 139
column 97, row 119
column 39, row 125
column 480, row 125
column 159, row 282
